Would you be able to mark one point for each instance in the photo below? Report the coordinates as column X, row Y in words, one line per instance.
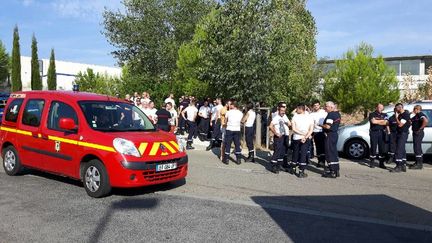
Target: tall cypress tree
column 36, row 81
column 16, row 62
column 52, row 76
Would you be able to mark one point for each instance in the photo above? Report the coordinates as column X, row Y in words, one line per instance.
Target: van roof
column 69, row 95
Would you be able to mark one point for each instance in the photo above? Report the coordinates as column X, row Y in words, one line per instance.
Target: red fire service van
column 103, row 141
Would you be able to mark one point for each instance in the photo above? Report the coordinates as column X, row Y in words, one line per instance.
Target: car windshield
column 109, row 116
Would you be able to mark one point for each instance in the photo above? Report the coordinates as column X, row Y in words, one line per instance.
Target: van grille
column 152, row 175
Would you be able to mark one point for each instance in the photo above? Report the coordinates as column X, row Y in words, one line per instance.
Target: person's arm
column 294, row 128
column 245, row 117
column 272, row 128
column 424, row 123
column 183, row 114
column 400, row 122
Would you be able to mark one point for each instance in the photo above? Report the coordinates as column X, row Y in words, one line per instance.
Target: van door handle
column 44, row 136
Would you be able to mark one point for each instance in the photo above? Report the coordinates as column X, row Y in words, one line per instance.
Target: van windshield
column 109, row 116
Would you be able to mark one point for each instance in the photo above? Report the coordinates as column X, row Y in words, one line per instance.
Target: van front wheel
column 95, row 179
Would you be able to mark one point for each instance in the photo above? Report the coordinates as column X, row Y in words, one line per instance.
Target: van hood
column 140, row 137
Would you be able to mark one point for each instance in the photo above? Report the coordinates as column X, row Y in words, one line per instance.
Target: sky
column 73, row 27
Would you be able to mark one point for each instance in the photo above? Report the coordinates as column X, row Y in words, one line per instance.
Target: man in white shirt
column 204, row 123
column 150, row 111
column 280, row 127
column 190, row 115
column 302, row 126
column 170, row 99
column 216, row 123
column 318, row 115
column 233, row 120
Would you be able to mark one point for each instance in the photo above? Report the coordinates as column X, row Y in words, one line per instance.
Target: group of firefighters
column 312, row 129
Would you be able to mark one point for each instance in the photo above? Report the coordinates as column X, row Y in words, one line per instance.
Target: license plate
column 164, row 167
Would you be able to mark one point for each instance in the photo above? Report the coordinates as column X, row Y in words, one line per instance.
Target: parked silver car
column 354, row 140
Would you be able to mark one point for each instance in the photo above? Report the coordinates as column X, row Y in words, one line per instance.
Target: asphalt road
column 234, row 203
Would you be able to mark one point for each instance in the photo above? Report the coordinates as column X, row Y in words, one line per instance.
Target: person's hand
column 278, row 135
column 303, row 140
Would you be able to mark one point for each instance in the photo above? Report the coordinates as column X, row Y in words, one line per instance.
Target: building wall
column 66, row 72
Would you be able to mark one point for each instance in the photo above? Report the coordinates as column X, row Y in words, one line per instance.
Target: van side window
column 13, row 110
column 60, row 110
column 33, row 112
column 428, row 113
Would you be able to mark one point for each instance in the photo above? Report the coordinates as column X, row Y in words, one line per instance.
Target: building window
column 395, row 65
column 428, row 63
column 410, row 67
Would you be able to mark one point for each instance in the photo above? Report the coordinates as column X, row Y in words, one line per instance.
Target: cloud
column 84, row 9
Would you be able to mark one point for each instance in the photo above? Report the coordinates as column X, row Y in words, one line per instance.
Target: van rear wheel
column 11, row 161
column 356, row 149
column 95, row 179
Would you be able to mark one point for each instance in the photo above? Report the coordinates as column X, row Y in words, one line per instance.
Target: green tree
column 16, row 62
column 148, row 35
column 52, row 76
column 253, row 50
column 360, row 81
column 90, row 81
column 4, row 63
column 36, row 81
column 425, row 89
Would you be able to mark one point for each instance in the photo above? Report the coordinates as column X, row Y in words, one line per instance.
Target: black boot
column 275, row 168
column 251, row 157
column 302, row 174
column 225, row 159
column 330, row 174
column 381, row 163
column 418, row 164
column 238, row 160
column 210, row 145
column 403, row 167
column 396, row 169
column 189, row 146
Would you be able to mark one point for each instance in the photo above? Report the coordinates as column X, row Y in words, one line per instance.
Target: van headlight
column 182, row 144
column 125, row 147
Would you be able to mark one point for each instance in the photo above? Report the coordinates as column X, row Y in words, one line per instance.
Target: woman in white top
column 302, row 126
column 249, row 121
column 233, row 120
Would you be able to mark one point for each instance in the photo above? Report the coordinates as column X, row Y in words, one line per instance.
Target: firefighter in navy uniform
column 330, row 126
column 392, row 131
column 403, row 125
column 419, row 121
column 378, row 122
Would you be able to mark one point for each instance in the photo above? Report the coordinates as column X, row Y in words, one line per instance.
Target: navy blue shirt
column 377, row 116
column 405, row 116
column 417, row 121
column 393, row 124
column 333, row 119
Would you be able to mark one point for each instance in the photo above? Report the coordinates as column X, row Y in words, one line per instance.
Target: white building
column 416, row 66
column 66, row 72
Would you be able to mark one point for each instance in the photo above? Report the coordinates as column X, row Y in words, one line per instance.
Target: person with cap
column 330, row 126
column 233, row 120
column 189, row 114
column 302, row 127
column 378, row 122
column 403, row 125
column 419, row 121
column 249, row 120
column 280, row 128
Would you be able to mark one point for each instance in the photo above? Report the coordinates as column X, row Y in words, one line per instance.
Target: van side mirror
column 67, row 124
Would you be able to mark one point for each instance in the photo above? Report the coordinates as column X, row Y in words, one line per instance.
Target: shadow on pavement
column 54, row 177
column 122, row 205
column 348, row 218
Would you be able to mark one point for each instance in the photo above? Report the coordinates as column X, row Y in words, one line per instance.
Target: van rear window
column 13, row 110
